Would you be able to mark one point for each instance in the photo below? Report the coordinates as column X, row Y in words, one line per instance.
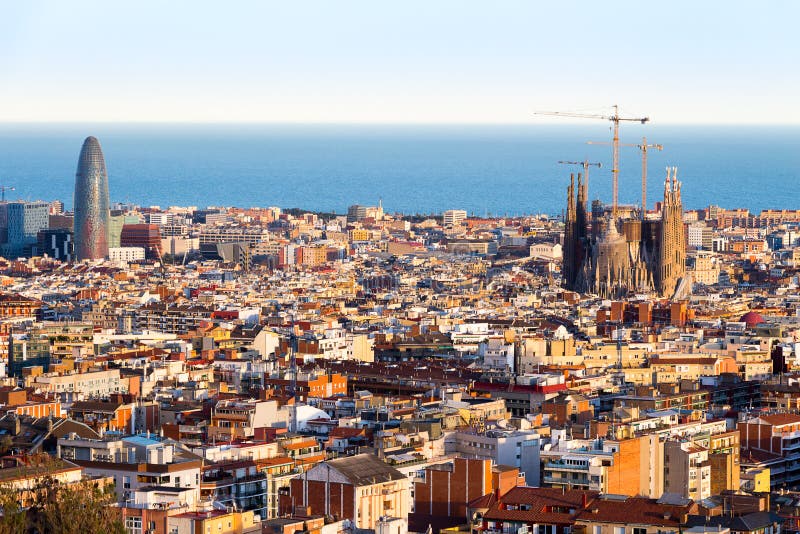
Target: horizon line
column 546, row 122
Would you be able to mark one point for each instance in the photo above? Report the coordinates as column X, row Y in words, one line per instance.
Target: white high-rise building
column 454, row 217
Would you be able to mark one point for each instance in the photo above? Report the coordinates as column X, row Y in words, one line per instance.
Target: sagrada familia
column 618, row 253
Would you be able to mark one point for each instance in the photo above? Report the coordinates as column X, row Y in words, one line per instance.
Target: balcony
column 216, row 481
column 789, row 435
column 559, row 466
column 572, row 483
column 250, row 490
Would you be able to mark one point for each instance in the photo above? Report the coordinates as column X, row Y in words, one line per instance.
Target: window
column 619, row 530
column 126, row 482
column 133, row 525
column 639, row 530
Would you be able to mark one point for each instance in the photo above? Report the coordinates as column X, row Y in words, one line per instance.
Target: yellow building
column 216, row 521
column 359, row 234
column 756, row 480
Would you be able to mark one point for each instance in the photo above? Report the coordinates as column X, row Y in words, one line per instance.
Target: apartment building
column 239, row 419
column 446, row 489
column 134, row 463
column 451, row 218
column 318, row 386
column 361, row 488
column 101, row 383
column 511, row 448
column 171, row 319
column 774, row 441
column 687, row 470
column 632, row 466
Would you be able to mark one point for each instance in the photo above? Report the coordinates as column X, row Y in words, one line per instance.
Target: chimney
column 583, row 500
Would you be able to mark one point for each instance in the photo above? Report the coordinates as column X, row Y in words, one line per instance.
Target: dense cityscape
column 618, row 369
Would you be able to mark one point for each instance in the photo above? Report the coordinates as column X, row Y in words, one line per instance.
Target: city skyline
column 339, row 290
column 446, row 62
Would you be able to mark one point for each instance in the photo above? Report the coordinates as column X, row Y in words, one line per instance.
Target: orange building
column 103, row 414
column 567, row 408
column 18, row 306
column 445, row 490
column 320, row 386
column 10, row 396
column 39, row 409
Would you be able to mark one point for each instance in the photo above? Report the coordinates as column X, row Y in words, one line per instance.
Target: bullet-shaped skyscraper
column 91, row 203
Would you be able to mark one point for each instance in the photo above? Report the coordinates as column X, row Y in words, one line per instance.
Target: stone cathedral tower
column 615, row 256
column 672, row 253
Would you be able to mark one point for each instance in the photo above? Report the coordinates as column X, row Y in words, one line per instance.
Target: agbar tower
column 91, row 203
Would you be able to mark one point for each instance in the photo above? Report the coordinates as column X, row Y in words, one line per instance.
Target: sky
column 409, row 61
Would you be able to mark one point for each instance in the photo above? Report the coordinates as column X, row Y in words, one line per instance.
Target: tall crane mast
column 643, row 148
column 615, row 120
column 585, row 164
column 3, row 189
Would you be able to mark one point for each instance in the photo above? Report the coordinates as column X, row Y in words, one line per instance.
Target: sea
column 488, row 170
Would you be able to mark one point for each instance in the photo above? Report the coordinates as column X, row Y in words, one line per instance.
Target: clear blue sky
column 424, row 61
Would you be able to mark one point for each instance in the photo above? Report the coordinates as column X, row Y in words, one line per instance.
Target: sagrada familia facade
column 617, row 254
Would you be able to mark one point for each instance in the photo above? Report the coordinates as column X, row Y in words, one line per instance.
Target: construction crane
column 3, row 189
column 585, row 164
column 615, row 120
column 643, row 148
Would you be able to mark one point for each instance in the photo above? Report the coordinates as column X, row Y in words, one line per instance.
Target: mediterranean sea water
column 486, row 170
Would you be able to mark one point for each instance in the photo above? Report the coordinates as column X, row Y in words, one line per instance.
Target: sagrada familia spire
column 614, row 256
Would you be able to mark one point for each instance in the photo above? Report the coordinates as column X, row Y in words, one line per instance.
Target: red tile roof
column 543, row 505
column 779, row 419
column 557, row 507
column 633, row 511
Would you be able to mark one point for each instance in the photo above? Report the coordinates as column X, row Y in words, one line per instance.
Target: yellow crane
column 585, row 164
column 643, row 148
column 615, row 120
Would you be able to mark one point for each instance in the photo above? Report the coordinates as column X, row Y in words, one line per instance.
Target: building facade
column 21, row 223
column 56, row 243
column 145, row 236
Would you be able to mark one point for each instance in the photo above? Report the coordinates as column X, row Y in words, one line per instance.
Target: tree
column 13, row 519
column 79, row 508
column 46, row 505
column 5, row 444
